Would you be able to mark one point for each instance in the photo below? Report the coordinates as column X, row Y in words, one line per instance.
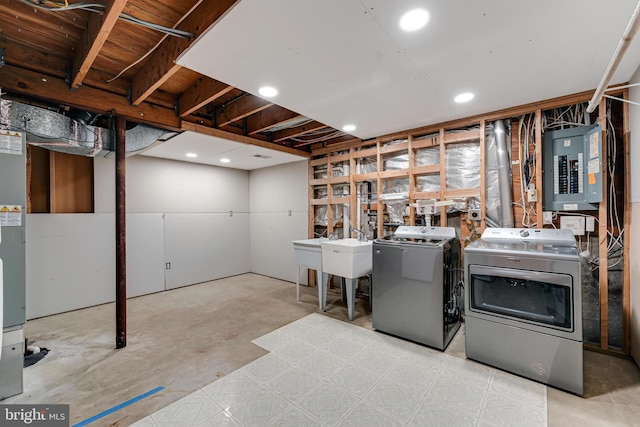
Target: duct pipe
column 625, row 41
column 504, row 176
column 121, row 235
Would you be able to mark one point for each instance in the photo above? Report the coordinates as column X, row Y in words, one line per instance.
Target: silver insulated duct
column 74, row 135
column 504, row 176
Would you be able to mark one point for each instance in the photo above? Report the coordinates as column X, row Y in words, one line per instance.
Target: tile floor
column 323, row 372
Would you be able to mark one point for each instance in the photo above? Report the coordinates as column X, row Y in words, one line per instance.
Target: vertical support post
column 603, row 269
column 412, row 180
column 443, row 178
column 380, row 215
column 121, row 236
column 483, row 176
column 539, row 186
column 626, row 286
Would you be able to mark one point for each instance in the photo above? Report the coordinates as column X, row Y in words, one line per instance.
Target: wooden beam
column 98, row 29
column 270, row 117
column 626, row 281
column 239, row 109
column 240, row 138
column 52, row 89
column 281, row 135
column 162, row 63
column 202, row 92
column 538, row 171
column 603, row 265
column 338, row 140
column 121, row 233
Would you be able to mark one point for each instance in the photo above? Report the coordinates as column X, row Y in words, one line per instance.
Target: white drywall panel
column 145, row 254
column 280, row 188
column 160, row 185
column 70, row 262
column 635, row 281
column 279, row 206
column 271, row 247
column 205, row 246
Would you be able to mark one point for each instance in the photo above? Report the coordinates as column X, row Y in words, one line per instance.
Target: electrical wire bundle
column 55, row 6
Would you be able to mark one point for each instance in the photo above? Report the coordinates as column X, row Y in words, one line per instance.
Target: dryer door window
column 531, row 296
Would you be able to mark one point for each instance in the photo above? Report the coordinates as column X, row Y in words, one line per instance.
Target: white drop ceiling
column 211, row 149
column 347, row 61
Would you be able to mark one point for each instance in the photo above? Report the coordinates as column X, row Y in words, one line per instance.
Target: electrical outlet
column 590, row 224
column 573, row 223
column 532, row 194
column 547, row 218
column 475, row 214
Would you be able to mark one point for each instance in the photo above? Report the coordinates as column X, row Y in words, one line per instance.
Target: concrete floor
column 186, row 338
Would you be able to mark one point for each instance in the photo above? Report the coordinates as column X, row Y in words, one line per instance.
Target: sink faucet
column 361, row 236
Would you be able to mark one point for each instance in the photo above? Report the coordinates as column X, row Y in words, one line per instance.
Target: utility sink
column 348, row 258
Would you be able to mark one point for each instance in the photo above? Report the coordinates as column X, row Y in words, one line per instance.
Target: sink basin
column 349, row 258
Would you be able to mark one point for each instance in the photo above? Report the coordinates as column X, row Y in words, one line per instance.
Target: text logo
column 34, row 415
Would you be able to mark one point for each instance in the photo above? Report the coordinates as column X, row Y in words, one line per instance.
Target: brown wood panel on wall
column 38, row 195
column 71, row 183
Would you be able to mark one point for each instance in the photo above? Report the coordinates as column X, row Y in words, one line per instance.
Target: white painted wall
column 71, row 260
column 177, row 212
column 634, row 256
column 274, row 192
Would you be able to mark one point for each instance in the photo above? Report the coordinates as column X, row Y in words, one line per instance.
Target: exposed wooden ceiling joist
column 204, row 91
column 265, row 119
column 281, row 135
column 239, row 109
column 42, row 86
column 161, row 66
column 98, row 29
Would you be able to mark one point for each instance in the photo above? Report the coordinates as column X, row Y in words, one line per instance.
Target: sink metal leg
column 298, row 285
column 319, row 278
column 323, row 291
column 351, row 295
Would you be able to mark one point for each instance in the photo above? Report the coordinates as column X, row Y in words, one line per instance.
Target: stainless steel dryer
column 416, row 272
column 523, row 304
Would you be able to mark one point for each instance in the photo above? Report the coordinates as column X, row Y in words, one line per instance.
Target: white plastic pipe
column 628, row 35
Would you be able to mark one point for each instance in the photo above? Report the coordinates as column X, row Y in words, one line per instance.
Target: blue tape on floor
column 118, row 407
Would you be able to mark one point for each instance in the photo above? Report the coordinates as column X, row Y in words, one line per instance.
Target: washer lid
column 547, row 236
column 423, row 232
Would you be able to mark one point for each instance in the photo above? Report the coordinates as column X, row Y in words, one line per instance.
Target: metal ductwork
column 504, row 176
column 76, row 132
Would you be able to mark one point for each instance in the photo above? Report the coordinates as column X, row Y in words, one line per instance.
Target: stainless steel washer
column 414, row 283
column 523, row 304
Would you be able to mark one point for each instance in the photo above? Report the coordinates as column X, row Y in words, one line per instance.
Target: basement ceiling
column 333, row 62
column 345, row 62
column 211, row 150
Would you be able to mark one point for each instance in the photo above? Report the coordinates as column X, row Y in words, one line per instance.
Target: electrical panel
column 572, row 166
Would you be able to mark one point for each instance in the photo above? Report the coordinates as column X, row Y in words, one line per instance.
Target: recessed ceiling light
column 349, row 128
column 464, row 97
column 268, row 91
column 414, row 20
column 191, row 155
column 224, row 160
